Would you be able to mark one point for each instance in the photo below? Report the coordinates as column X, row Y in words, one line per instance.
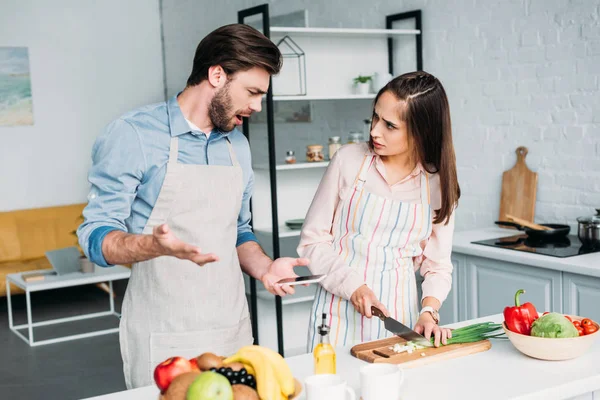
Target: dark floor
column 70, row 370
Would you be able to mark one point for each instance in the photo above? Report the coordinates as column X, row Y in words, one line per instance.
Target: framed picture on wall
column 15, row 87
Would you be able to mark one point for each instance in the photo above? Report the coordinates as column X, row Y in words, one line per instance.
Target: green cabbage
column 553, row 325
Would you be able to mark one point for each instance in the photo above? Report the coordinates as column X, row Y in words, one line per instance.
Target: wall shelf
column 369, row 96
column 284, row 232
column 335, row 57
column 342, row 31
column 303, row 294
column 287, row 167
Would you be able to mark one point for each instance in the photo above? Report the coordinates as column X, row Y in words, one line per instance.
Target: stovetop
column 567, row 246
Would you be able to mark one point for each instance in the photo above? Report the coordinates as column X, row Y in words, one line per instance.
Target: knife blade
column 400, row 329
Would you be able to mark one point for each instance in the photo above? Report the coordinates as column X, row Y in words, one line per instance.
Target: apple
column 210, row 386
column 194, row 364
column 167, row 370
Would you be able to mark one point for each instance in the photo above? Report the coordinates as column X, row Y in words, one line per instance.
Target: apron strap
column 174, row 150
column 361, row 177
column 425, row 196
column 234, row 160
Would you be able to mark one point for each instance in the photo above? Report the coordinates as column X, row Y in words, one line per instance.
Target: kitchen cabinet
column 581, row 295
column 491, row 285
column 569, row 285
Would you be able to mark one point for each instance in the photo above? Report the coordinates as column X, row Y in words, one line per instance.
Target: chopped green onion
column 475, row 333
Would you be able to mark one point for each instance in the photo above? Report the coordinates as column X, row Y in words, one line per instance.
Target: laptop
column 64, row 261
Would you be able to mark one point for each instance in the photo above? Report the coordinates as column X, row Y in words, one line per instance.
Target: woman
column 383, row 210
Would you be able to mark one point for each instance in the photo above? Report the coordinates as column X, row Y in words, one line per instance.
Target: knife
column 401, row 330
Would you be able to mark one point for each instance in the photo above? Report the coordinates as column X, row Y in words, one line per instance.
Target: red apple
column 167, row 370
column 194, row 364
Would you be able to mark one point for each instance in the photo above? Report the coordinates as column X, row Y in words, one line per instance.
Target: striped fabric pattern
column 378, row 237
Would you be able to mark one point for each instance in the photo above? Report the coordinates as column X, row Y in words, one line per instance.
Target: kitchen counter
column 586, row 264
column 499, row 373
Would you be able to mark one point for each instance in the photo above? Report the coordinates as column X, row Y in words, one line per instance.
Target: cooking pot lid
column 594, row 220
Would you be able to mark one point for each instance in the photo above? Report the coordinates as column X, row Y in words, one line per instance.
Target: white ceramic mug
column 381, row 382
column 328, row 387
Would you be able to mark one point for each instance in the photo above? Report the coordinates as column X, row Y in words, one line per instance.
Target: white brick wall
column 517, row 72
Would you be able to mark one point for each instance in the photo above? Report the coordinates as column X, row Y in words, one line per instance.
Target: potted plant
column 363, row 84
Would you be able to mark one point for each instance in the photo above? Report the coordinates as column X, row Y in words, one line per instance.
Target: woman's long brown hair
column 427, row 115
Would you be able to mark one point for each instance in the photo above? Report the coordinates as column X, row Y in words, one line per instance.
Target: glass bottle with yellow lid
column 324, row 354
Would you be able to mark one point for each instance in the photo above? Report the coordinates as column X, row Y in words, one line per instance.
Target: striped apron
column 379, row 238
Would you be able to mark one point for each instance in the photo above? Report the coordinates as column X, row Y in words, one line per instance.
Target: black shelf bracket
column 389, row 20
column 263, row 10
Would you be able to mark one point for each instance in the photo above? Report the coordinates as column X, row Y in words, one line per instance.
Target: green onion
column 475, row 333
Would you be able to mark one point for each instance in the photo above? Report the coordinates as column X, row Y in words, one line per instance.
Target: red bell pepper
column 520, row 317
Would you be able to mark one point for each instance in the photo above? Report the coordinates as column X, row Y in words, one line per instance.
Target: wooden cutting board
column 378, row 351
column 519, row 189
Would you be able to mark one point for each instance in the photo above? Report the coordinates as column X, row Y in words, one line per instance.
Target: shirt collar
column 379, row 163
column 177, row 123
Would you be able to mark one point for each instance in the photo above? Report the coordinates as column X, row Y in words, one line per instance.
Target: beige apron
column 174, row 307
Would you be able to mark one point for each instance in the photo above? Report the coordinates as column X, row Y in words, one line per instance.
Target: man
column 171, row 186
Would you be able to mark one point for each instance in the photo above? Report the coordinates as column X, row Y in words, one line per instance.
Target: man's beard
column 220, row 110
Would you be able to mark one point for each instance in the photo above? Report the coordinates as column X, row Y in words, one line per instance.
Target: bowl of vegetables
column 555, row 337
column 551, row 336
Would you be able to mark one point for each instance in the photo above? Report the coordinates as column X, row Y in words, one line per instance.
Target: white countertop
column 500, row 373
column 586, row 264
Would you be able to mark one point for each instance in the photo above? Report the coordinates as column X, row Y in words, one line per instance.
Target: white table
column 497, row 374
column 62, row 281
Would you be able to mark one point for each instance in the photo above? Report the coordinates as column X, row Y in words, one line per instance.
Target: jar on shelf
column 314, row 153
column 335, row 143
column 290, row 157
column 355, row 137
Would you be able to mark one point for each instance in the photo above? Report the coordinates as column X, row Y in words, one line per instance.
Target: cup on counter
column 328, row 387
column 381, row 382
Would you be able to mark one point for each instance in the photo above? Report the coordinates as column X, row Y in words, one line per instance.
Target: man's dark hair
column 235, row 47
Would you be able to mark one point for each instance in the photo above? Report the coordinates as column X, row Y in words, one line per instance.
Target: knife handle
column 377, row 312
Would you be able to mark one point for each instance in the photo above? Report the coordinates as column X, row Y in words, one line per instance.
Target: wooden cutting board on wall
column 378, row 351
column 519, row 190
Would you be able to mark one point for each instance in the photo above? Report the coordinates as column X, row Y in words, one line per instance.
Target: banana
column 250, row 369
column 282, row 370
column 267, row 384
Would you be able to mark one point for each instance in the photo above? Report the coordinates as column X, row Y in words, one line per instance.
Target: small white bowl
column 552, row 349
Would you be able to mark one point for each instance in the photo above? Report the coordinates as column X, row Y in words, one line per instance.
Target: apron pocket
column 222, row 342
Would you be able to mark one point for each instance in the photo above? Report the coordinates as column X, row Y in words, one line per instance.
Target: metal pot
column 589, row 230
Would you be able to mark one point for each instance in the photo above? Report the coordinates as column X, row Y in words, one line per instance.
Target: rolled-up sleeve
column 244, row 229
column 118, row 166
column 316, row 241
column 436, row 264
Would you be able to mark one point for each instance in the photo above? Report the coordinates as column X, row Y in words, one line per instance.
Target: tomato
column 547, row 312
column 577, row 324
column 590, row 329
column 569, row 318
column 581, row 331
column 586, row 322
